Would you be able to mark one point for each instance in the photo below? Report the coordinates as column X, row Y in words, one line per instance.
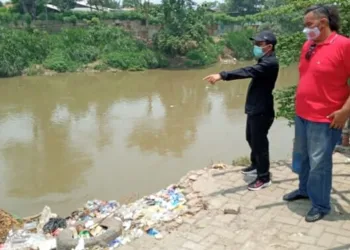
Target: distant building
column 85, row 6
column 8, row 5
column 80, row 6
column 52, row 8
column 128, row 9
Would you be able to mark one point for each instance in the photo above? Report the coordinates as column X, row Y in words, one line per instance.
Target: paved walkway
column 264, row 220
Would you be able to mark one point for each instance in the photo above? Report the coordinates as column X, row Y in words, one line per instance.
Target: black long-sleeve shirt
column 264, row 75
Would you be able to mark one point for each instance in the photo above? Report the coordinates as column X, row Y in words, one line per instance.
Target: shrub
column 134, row 60
column 28, row 19
column 101, row 67
column 19, row 48
column 83, row 53
column 154, row 60
column 70, row 19
column 206, row 54
column 289, row 47
column 285, row 99
column 34, row 70
column 67, row 50
column 95, row 21
column 58, row 60
column 238, row 42
column 126, row 60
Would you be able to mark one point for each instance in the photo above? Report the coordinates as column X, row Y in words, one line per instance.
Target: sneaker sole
column 261, row 187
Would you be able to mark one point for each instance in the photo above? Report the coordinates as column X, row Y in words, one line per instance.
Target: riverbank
column 258, row 219
column 177, row 63
column 218, row 212
column 98, row 48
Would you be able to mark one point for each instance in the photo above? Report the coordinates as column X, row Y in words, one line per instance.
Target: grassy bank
column 98, row 47
column 107, row 48
column 73, row 49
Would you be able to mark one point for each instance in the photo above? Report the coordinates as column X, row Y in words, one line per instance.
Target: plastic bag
column 19, row 240
column 53, row 224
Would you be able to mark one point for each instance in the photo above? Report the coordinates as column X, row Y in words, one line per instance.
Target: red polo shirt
column 322, row 87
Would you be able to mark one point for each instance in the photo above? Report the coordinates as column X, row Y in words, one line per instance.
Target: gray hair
column 328, row 11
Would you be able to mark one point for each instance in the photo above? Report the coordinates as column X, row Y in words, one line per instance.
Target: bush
column 206, row 54
column 35, row 70
column 289, row 47
column 73, row 17
column 71, row 48
column 27, row 19
column 153, row 59
column 70, row 19
column 95, row 21
column 58, row 60
column 285, row 99
column 135, row 61
column 238, row 42
column 125, row 60
column 101, row 67
column 83, row 53
column 19, row 48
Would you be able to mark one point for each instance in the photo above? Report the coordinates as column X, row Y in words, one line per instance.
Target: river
column 68, row 138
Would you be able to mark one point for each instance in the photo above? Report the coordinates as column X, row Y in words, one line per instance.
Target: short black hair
column 329, row 11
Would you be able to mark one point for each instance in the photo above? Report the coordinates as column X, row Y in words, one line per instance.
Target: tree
column 285, row 17
column 269, row 4
column 210, row 5
column 242, row 7
column 289, row 46
column 184, row 27
column 132, row 3
column 100, row 4
column 64, row 5
column 30, row 7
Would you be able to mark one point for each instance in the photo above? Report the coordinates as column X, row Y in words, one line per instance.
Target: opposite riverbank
column 100, row 48
column 216, row 211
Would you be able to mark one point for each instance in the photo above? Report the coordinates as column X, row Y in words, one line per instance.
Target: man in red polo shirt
column 322, row 107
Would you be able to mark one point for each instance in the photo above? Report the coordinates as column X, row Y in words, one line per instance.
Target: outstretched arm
column 256, row 70
column 247, row 72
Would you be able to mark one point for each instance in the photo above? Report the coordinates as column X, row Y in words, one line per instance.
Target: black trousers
column 256, row 134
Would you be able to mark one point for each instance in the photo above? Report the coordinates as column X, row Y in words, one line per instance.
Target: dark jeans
column 340, row 141
column 256, row 134
column 312, row 157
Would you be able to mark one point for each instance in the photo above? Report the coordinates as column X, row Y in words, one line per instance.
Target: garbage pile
column 7, row 222
column 145, row 214
column 138, row 218
column 30, row 235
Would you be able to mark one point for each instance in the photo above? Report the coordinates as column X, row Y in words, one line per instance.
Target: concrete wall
column 136, row 27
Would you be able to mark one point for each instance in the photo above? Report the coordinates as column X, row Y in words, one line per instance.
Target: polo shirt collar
column 330, row 38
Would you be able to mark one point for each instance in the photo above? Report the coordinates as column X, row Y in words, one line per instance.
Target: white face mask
column 312, row 33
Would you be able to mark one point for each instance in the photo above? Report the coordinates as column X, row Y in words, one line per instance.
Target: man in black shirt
column 259, row 105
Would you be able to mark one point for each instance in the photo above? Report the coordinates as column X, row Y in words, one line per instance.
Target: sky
column 197, row 1
column 152, row 1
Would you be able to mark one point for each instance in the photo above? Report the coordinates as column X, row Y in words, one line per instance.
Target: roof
column 53, row 7
column 81, row 6
column 86, row 4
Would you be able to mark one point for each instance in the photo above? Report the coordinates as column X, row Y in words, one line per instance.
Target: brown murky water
column 69, row 138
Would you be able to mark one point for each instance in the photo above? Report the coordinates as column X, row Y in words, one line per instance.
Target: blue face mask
column 258, row 52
